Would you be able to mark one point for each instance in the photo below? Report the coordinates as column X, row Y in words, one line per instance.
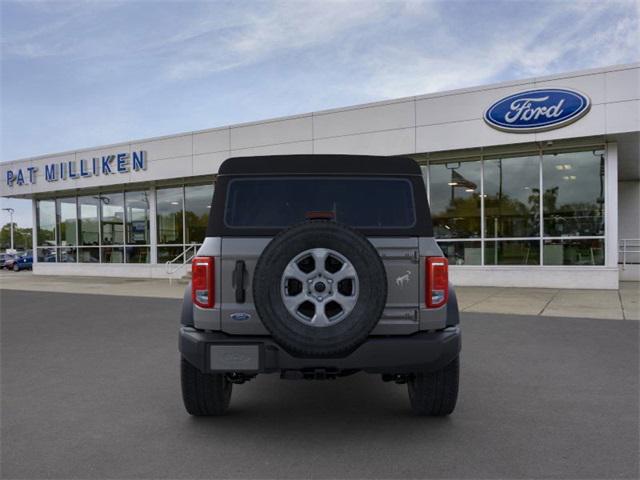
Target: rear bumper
column 219, row 352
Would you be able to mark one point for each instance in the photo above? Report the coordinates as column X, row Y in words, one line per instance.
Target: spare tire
column 319, row 288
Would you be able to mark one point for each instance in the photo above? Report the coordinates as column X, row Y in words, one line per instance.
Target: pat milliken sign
column 537, row 110
column 115, row 164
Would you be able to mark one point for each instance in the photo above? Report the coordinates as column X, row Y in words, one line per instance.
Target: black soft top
column 319, row 164
column 326, row 165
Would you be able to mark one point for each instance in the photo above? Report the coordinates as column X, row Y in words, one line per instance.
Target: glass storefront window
column 89, row 255
column 112, row 218
column 166, row 254
column 53, row 255
column 197, row 206
column 47, row 254
column 169, row 218
column 462, row 253
column 512, row 197
column 137, row 218
column 46, row 217
column 572, row 186
column 137, row 254
column 512, row 252
column 115, row 227
column 67, row 221
column 67, row 254
column 112, row 255
column 573, row 198
column 455, row 199
column 88, row 227
column 573, row 252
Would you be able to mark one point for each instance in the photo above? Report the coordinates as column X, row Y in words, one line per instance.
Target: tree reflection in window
column 196, row 211
column 512, row 197
column 573, row 199
column 455, row 199
column 46, row 222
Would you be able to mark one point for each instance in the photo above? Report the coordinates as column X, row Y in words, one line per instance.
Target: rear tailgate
column 239, row 258
column 400, row 256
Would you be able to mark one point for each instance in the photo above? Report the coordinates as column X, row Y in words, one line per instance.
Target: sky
column 87, row 73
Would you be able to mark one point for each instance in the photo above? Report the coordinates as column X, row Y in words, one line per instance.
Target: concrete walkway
column 135, row 287
column 623, row 304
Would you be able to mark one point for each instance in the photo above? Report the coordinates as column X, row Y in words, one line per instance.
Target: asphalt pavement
column 90, row 389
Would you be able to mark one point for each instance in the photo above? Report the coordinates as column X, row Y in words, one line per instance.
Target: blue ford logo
column 537, row 110
column 240, row 316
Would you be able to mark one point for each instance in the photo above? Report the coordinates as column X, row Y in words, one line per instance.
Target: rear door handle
column 238, row 281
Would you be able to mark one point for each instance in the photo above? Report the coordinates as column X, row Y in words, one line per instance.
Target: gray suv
column 317, row 267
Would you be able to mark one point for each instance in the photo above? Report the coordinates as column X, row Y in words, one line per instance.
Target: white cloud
column 53, row 30
column 563, row 35
column 365, row 36
column 288, row 26
column 533, row 47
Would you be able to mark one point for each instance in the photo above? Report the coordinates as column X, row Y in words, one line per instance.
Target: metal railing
column 180, row 261
column 628, row 247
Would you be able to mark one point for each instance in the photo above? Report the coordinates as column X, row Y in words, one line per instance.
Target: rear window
column 363, row 202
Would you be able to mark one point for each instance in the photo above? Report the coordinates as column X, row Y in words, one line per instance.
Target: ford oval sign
column 537, row 110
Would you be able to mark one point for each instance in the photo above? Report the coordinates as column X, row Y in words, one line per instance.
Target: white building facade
column 532, row 183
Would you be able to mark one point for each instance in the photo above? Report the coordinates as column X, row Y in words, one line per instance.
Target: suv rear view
column 320, row 266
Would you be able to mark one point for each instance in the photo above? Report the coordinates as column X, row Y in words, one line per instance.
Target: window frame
column 462, row 160
column 181, row 246
column 539, row 152
column 57, row 248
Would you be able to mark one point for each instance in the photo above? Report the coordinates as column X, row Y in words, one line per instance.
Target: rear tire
column 16, row 268
column 435, row 394
column 204, row 394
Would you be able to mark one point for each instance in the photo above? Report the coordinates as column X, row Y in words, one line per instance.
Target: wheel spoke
column 293, row 271
column 347, row 302
column 320, row 318
column 319, row 257
column 293, row 302
column 347, row 271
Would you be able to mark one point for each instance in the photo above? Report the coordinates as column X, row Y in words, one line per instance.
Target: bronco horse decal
column 403, row 279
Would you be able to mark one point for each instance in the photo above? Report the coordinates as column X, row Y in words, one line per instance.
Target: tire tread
column 204, row 394
column 435, row 393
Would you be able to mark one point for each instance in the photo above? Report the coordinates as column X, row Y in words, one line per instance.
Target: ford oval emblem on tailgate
column 240, row 316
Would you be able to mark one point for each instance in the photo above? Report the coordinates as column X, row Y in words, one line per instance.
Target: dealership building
column 531, row 183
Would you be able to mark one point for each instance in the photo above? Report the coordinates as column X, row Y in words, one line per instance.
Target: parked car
column 7, row 262
column 316, row 267
column 23, row 262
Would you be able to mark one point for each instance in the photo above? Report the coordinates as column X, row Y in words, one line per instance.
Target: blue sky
column 80, row 74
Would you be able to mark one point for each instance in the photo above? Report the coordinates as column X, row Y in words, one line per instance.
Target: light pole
column 11, row 212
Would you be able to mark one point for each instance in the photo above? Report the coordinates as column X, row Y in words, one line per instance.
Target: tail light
column 437, row 284
column 203, row 282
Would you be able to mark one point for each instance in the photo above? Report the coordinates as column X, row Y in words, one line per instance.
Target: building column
column 34, row 230
column 611, row 205
column 153, row 225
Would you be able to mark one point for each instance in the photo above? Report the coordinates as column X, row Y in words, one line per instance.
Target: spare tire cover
column 319, row 288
